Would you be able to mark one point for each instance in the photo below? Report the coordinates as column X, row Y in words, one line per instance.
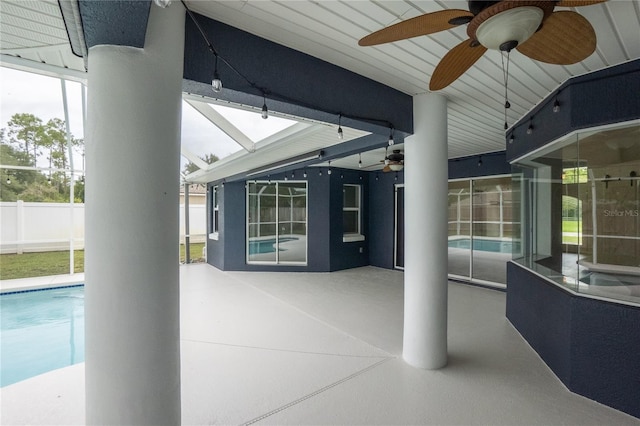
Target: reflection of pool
column 481, row 244
column 602, row 279
column 266, row 246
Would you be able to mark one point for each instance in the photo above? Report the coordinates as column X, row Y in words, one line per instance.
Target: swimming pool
column 482, row 244
column 40, row 331
column 266, row 246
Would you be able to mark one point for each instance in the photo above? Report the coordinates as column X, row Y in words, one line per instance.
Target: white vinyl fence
column 35, row 227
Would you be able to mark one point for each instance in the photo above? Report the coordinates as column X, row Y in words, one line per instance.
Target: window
column 579, row 200
column 214, row 225
column 277, row 223
column 351, row 213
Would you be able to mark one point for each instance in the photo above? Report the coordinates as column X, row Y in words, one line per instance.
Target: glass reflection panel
column 261, row 222
column 292, row 222
column 492, row 236
column 459, row 228
column 580, row 199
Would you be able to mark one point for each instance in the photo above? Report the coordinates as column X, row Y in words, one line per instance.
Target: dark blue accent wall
column 603, row 97
column 326, row 250
column 591, row 345
column 346, row 255
column 382, row 217
column 493, row 163
column 99, row 18
column 294, row 82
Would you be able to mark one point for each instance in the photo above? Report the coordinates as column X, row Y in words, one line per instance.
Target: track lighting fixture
column 511, row 138
column 556, row 106
column 377, row 178
column 329, row 170
column 8, row 180
column 320, row 172
column 304, row 174
column 340, row 134
column 293, row 175
column 162, row 3
column 216, row 83
column 341, row 176
column 223, row 183
column 395, row 178
column 391, row 141
column 480, row 161
column 530, row 128
column 360, row 177
column 265, row 110
column 359, row 160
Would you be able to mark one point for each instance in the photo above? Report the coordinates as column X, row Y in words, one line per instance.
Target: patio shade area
column 325, row 348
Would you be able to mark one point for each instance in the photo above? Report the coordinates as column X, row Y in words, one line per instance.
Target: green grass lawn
column 571, row 226
column 27, row 265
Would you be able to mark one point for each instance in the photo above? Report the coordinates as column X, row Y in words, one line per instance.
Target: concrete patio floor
column 325, row 348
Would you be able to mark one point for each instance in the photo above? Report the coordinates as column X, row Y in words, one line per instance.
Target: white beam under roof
column 222, row 123
column 296, row 140
column 193, row 158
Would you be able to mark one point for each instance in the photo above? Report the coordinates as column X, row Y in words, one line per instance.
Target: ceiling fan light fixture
column 396, row 167
column 510, row 28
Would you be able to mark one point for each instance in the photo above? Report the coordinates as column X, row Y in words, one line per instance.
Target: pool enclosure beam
column 132, row 317
column 426, row 254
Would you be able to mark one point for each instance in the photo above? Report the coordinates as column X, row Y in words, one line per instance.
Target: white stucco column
column 425, row 273
column 132, row 189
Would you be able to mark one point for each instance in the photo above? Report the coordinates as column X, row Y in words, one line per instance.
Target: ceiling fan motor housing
column 507, row 24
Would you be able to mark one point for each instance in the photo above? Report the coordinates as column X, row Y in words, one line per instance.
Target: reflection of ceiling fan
column 393, row 162
column 531, row 27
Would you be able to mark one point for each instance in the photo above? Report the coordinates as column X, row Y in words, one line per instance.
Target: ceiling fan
column 393, row 162
column 531, row 27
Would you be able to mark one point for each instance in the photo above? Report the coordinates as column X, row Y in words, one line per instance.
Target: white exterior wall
column 45, row 226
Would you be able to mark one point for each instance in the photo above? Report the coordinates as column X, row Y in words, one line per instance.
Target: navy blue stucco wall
column 293, row 82
column 325, row 249
column 382, row 217
column 591, row 345
column 604, row 97
column 345, row 255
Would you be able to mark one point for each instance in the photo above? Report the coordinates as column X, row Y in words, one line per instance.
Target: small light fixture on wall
column 216, row 83
column 265, row 110
column 556, row 106
column 329, row 169
column 511, row 138
column 340, row 132
column 480, row 161
column 530, row 128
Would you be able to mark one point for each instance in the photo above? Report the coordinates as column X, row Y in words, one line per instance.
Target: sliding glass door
column 277, row 222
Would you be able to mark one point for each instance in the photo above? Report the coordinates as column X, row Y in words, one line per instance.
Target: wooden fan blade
column 386, row 168
column 420, row 25
column 565, row 38
column 455, row 63
column 578, row 3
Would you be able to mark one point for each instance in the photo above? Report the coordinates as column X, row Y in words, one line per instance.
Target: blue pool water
column 495, row 246
column 266, row 246
column 40, row 331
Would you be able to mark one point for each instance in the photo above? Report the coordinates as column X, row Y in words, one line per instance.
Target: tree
column 26, row 133
column 191, row 167
column 23, row 141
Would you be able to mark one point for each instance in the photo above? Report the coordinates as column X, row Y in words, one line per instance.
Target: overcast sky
column 23, row 92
